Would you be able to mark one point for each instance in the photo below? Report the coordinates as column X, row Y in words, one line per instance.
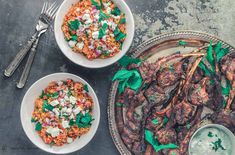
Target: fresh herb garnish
column 74, row 25
column 149, row 137
column 38, row 126
column 83, row 121
column 42, row 95
column 125, row 61
column 116, row 11
column 188, row 125
column 122, row 21
column 55, row 95
column 116, row 31
column 155, row 121
column 171, row 68
column 102, row 31
column 74, row 38
column 210, row 134
column 85, row 87
column 47, row 106
column 119, row 104
column 102, row 16
column 182, row 43
column 226, row 89
column 165, row 120
column 217, row 145
column 128, row 78
column 33, row 120
column 96, row 4
column 120, row 36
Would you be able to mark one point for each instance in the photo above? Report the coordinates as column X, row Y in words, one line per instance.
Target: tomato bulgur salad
column 63, row 112
column 95, row 28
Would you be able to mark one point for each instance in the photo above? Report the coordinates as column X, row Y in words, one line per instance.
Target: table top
column 152, row 17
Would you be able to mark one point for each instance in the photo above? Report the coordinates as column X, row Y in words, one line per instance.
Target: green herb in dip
column 211, row 141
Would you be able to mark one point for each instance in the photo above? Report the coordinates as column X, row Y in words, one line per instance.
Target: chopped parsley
column 116, row 11
column 210, row 134
column 155, row 121
column 46, row 106
column 217, row 145
column 102, row 31
column 119, row 104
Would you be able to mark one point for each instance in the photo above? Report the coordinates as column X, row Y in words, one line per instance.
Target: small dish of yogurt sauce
column 212, row 139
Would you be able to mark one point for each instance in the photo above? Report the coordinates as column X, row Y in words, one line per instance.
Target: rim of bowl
column 33, row 85
column 107, row 64
column 221, row 127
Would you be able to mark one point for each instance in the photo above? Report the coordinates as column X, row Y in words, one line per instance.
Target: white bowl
column 79, row 58
column 218, row 126
column 27, row 107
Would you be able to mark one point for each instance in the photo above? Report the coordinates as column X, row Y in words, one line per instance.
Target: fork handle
column 19, row 56
column 28, row 65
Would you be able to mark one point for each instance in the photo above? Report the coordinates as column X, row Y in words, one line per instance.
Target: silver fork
column 45, row 19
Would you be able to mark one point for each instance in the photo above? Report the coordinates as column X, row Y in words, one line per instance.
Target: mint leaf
column 155, row 121
column 221, row 54
column 85, row 87
column 74, row 25
column 116, row 11
column 102, row 31
column 47, row 106
column 96, row 4
column 122, row 75
column 122, row 21
column 182, row 43
column 38, row 126
column 167, row 146
column 125, row 61
column 205, row 69
column 103, row 16
column 119, row 104
column 210, row 57
column 120, row 36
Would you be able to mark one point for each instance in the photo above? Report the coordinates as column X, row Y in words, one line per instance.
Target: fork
column 45, row 19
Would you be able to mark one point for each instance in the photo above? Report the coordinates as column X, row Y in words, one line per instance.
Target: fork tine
column 50, row 8
column 43, row 7
column 53, row 13
column 46, row 7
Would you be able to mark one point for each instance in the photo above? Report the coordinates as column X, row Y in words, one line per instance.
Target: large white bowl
column 27, row 107
column 79, row 58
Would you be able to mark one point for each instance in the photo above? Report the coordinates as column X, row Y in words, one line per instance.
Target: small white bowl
column 79, row 58
column 222, row 128
column 27, row 107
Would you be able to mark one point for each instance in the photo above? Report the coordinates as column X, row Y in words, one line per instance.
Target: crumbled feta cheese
column 113, row 26
column 64, row 109
column 53, row 131
column 87, row 11
column 88, row 22
column 69, row 140
column 80, row 45
column 69, row 110
column 115, row 17
column 59, row 83
column 56, row 111
column 97, row 16
column 54, row 103
column 72, row 43
column 77, row 110
column 95, row 35
column 71, row 116
column 83, row 112
column 66, row 98
column 86, row 16
column 106, row 4
column 72, row 100
column 65, row 124
column 108, row 10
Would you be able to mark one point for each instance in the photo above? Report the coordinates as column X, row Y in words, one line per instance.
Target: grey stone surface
column 152, row 17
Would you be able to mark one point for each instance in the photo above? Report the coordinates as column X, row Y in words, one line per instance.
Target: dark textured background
column 152, row 17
